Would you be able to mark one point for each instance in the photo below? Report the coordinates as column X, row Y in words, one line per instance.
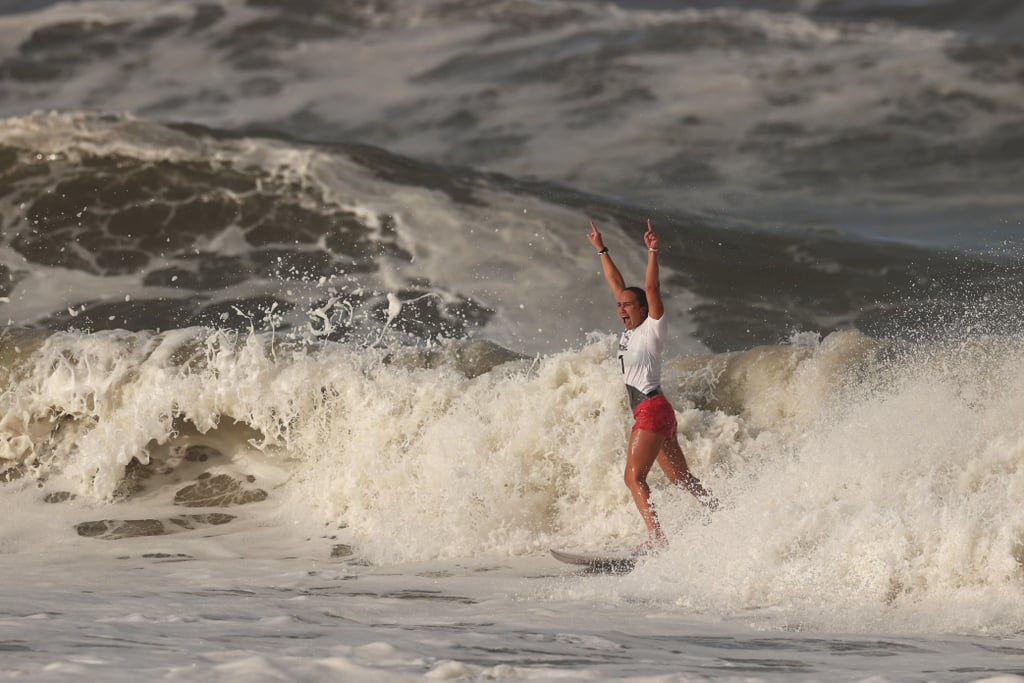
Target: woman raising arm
column 653, row 437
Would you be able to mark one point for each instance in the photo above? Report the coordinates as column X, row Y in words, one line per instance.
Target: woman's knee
column 634, row 478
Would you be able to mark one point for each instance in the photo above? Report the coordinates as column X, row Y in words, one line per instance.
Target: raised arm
column 652, row 279
column 611, row 273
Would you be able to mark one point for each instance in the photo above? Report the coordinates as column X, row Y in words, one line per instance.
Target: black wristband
column 603, row 252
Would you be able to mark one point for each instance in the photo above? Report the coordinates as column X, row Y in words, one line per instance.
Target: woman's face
column 630, row 311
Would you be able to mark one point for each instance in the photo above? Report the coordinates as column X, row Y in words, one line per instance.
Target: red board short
column 655, row 415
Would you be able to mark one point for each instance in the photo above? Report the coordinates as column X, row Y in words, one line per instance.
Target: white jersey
column 640, row 354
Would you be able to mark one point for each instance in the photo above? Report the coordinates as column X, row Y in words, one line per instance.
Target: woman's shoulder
column 655, row 325
column 656, row 321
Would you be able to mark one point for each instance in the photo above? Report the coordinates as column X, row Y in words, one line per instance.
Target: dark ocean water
column 812, row 165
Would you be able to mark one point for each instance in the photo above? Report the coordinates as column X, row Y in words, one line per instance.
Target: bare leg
column 640, row 457
column 673, row 464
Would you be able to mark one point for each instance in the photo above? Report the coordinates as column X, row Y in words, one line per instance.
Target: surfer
column 653, row 438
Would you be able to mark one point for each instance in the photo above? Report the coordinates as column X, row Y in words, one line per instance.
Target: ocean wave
column 112, row 222
column 815, row 117
column 870, row 473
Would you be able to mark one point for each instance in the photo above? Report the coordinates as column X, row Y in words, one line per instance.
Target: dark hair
column 641, row 296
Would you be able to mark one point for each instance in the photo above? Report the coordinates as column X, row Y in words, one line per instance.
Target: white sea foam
column 887, row 486
column 876, row 493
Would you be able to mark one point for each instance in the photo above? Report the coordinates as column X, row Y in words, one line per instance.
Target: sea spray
column 870, row 475
column 894, row 502
column 422, row 454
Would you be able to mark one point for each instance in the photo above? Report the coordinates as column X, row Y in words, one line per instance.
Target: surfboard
column 609, row 564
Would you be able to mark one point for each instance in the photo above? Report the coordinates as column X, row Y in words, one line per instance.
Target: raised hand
column 595, row 237
column 651, row 237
